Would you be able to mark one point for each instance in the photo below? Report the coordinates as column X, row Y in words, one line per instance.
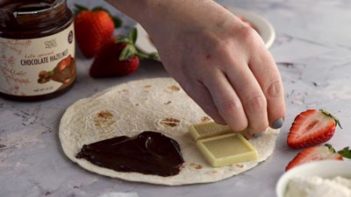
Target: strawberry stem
column 130, row 50
column 133, row 35
column 130, row 38
column 345, row 152
column 331, row 116
column 330, row 147
column 144, row 55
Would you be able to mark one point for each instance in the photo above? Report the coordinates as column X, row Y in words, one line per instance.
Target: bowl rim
column 262, row 24
column 324, row 169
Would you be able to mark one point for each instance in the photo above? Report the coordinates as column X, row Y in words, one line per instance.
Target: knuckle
column 274, row 89
column 222, row 47
column 256, row 103
column 229, row 106
column 231, row 110
column 247, row 33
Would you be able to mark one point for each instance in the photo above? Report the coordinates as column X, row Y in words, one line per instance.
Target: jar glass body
column 37, row 49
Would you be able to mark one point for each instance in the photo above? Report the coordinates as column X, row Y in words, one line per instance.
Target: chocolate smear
column 148, row 153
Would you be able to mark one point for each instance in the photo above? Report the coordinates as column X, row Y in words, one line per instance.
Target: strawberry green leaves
column 345, row 152
column 331, row 116
column 131, row 49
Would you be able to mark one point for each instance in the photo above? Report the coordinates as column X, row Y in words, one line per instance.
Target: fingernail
column 277, row 124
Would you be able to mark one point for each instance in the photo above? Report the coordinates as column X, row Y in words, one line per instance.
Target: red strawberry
column 108, row 64
column 317, row 153
column 93, row 28
column 312, row 127
column 119, row 58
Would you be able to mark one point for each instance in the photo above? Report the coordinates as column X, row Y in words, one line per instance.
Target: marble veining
column 313, row 53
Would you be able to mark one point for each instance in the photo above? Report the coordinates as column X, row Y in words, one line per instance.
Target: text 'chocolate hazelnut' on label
column 39, row 66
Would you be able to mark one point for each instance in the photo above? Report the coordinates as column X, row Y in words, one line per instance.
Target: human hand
column 220, row 61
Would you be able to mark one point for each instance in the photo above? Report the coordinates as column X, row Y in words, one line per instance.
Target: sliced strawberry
column 315, row 153
column 312, row 127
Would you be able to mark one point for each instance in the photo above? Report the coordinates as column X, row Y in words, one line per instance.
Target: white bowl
column 263, row 26
column 324, row 169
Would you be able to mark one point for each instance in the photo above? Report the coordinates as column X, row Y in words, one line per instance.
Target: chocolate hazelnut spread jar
column 37, row 49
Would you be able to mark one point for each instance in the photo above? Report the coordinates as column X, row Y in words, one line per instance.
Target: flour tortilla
column 157, row 104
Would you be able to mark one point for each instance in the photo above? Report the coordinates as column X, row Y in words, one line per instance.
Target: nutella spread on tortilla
column 148, row 153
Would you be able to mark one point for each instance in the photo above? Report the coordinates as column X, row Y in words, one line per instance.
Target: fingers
column 226, row 100
column 199, row 93
column 250, row 93
column 267, row 74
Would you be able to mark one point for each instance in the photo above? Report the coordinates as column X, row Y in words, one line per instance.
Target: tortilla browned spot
column 174, row 88
column 171, row 122
column 123, row 91
column 103, row 119
column 196, row 166
column 168, row 102
column 239, row 165
column 205, row 119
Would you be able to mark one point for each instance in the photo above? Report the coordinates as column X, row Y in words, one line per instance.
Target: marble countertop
column 313, row 52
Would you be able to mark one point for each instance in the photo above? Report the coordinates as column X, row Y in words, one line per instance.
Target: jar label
column 33, row 67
